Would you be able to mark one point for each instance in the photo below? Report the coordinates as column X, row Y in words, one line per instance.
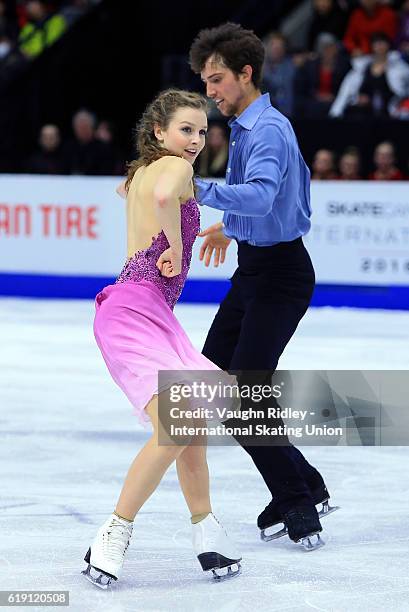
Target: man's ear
column 246, row 73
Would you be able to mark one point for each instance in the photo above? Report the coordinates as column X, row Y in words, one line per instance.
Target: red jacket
column 361, row 26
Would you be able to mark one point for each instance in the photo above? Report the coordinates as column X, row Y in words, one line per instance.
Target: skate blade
column 228, row 572
column 312, row 542
column 327, row 509
column 267, row 537
column 101, row 580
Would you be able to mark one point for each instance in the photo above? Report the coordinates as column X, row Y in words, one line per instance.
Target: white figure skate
column 105, row 557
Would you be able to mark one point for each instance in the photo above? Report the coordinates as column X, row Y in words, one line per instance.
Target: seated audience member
column 327, row 17
column 402, row 38
column 374, row 83
column 48, row 159
column 350, row 165
column 370, row 17
column 73, row 10
column 105, row 133
column 323, row 166
column 318, row 80
column 385, row 160
column 278, row 74
column 6, row 43
column 376, row 91
column 213, row 159
column 85, row 154
column 8, row 19
column 41, row 30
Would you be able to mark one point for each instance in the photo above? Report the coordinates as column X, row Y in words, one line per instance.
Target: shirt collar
column 248, row 118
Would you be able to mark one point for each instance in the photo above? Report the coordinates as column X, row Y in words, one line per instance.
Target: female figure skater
column 138, row 334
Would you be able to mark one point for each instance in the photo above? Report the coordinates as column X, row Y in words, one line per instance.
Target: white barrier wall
column 360, row 232
column 76, row 226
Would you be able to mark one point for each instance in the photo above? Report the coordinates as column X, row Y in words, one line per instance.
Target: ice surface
column 67, row 436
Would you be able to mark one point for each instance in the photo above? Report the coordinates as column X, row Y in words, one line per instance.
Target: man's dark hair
column 231, row 45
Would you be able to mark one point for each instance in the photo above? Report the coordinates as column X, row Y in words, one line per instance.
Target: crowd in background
column 91, row 150
column 354, row 63
column 28, row 27
column 325, row 165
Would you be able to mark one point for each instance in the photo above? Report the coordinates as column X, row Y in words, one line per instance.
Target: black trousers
column 270, row 293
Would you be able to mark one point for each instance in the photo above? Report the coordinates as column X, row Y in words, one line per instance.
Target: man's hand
column 170, row 263
column 215, row 241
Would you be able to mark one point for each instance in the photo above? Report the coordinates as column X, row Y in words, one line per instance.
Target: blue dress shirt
column 266, row 197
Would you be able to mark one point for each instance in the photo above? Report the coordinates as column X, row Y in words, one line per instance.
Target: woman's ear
column 157, row 130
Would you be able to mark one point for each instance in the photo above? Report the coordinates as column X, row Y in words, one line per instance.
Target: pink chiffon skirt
column 138, row 336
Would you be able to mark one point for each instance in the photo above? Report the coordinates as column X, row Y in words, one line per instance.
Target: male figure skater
column 266, row 204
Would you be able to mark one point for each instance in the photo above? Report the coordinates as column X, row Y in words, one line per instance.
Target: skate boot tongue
column 116, row 532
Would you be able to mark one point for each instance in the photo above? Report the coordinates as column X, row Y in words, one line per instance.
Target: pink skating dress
column 135, row 327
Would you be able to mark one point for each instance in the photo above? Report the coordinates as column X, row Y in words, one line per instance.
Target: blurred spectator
column 402, row 38
column 11, row 60
column 374, row 83
column 327, row 17
column 369, row 18
column 350, row 165
column 84, row 153
column 385, row 168
column 48, row 159
column 8, row 19
column 41, row 30
column 318, row 80
column 375, row 92
column 278, row 73
column 5, row 44
column 323, row 166
column 73, row 10
column 4, row 23
column 213, row 160
column 105, row 133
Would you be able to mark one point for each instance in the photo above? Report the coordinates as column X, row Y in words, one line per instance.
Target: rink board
column 64, row 237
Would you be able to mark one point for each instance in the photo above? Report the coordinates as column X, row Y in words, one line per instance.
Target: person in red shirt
column 385, row 168
column 369, row 18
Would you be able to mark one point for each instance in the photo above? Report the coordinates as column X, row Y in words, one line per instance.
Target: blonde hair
column 160, row 112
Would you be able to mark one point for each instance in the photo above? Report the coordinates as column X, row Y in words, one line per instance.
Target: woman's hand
column 170, row 263
column 215, row 241
column 121, row 191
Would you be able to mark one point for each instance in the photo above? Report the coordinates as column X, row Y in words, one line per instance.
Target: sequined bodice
column 143, row 264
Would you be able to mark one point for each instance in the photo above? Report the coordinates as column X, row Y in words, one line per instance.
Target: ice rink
column 68, row 435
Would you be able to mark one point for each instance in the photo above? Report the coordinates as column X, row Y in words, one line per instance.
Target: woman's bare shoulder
column 173, row 163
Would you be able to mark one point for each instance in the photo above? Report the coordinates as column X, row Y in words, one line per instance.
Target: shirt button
column 228, row 169
column 233, row 143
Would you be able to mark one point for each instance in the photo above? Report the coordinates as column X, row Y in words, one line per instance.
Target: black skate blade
column 327, row 509
column 230, row 573
column 267, row 537
column 312, row 542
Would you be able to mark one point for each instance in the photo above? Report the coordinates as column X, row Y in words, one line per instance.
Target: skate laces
column 116, row 539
